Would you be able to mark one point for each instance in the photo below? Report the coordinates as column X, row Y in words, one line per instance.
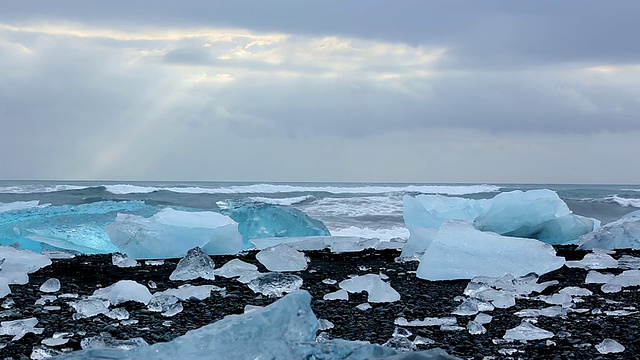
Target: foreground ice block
column 285, row 329
column 196, row 264
column 376, row 288
column 539, row 214
column 16, row 264
column 171, row 233
column 259, row 220
column 459, row 251
column 282, row 258
column 620, row 234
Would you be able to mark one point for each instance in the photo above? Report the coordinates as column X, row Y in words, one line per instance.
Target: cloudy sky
column 322, row 90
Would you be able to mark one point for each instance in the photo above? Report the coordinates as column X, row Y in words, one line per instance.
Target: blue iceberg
column 285, row 329
column 260, row 220
column 538, row 214
column 620, row 234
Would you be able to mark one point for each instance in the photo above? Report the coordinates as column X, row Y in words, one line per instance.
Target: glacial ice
column 609, row 346
column 282, row 258
column 196, row 264
column 285, row 329
column 527, row 331
column 235, row 268
column 275, row 284
column 123, row 290
column 16, row 264
column 162, row 302
column 4, row 287
column 122, row 260
column 475, row 328
column 595, row 260
column 377, row 289
column 539, row 214
column 50, row 285
column 104, row 340
column 89, row 307
column 259, row 220
column 337, row 295
column 171, row 233
column 459, row 251
column 427, row 321
column 19, row 328
column 620, row 234
column 188, row 291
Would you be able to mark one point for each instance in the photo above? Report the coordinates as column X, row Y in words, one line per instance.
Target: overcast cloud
column 413, row 91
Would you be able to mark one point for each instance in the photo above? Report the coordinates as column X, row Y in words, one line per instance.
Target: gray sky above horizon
column 362, row 90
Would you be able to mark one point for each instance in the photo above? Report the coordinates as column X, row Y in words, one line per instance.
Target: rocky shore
column 604, row 315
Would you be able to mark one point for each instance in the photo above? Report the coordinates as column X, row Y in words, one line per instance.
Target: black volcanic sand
column 575, row 337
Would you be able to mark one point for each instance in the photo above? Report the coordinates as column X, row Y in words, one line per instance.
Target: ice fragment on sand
column 275, row 284
column 377, row 289
column 324, row 324
column 475, row 328
column 553, row 311
column 50, row 286
column 171, row 233
column 89, row 308
column 250, row 308
column 337, row 295
column 594, row 277
column 45, row 299
column 118, row 314
column 620, row 234
column 363, row 307
column 400, row 341
column 628, row 262
column 59, row 338
column 4, row 287
column 124, row 290
column 596, row 260
column 419, row 340
column 282, row 258
column 188, row 291
column 160, row 303
column 235, row 268
column 18, row 263
column 43, row 352
column 576, row 291
column 121, row 260
column 172, row 310
column 459, row 251
column 329, row 281
column 427, row 321
column 19, row 328
column 483, row 318
column 196, row 264
column 527, row 331
column 609, row 346
column 105, row 340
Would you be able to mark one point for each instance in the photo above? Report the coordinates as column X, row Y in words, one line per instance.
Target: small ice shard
column 400, row 341
column 459, row 251
column 19, row 328
column 620, row 234
column 619, row 312
column 467, row 308
column 45, row 299
column 282, row 258
column 172, row 310
column 329, row 281
column 324, row 324
column 50, row 286
column 575, row 291
column 475, row 328
column 377, row 289
column 527, row 331
column 275, row 284
column 504, row 302
column 52, row 308
column 553, row 311
column 4, row 287
column 363, row 307
column 595, row 277
column 118, row 314
column 160, row 303
column 627, row 262
column 196, row 264
column 235, row 268
column 342, row 244
column 105, row 340
column 124, row 290
column 167, row 323
column 122, row 260
column 89, row 307
column 152, row 284
column 59, row 338
column 171, row 233
column 451, row 328
column 18, row 263
column 154, row 262
column 611, row 288
column 562, row 299
column 419, row 340
column 483, row 318
column 427, row 321
column 43, row 352
column 188, row 291
column 595, row 260
column 250, row 308
column 609, row 346
column 8, row 303
column 337, row 295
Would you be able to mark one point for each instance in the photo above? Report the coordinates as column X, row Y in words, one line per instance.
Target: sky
column 287, row 90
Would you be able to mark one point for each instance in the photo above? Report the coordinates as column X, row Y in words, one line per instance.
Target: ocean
column 369, row 210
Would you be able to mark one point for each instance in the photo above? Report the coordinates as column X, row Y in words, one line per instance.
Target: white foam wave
column 283, row 201
column 626, row 202
column 368, row 233
column 33, row 188
column 18, row 205
column 356, row 206
column 281, row 188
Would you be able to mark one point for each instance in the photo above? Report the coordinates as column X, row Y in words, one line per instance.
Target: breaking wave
column 283, row 201
column 624, row 201
column 368, row 233
column 33, row 189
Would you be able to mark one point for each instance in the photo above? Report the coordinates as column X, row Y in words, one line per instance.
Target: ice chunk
column 324, row 324
column 19, row 328
column 124, row 290
column 400, row 340
column 121, row 260
column 337, row 244
column 275, row 284
column 609, row 346
column 118, row 314
column 553, row 311
column 18, row 263
column 596, row 260
column 235, row 268
column 576, row 291
column 196, row 264
column 173, row 310
column 282, row 258
column 483, row 318
column 50, row 286
column 594, row 277
column 539, row 214
column 4, row 288
column 377, row 289
column 188, row 291
column 337, row 295
column 160, row 303
column 260, row 220
column 527, row 331
column 628, row 262
column 363, row 307
column 428, row 321
column 475, row 328
column 89, row 307
column 105, row 340
column 171, row 233
column 43, row 352
column 461, row 252
column 58, row 338
column 620, row 234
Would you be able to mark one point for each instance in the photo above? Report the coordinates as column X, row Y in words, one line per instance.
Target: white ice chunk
column 620, row 234
column 337, row 295
column 553, row 311
column 4, row 287
column 628, row 262
column 196, row 264
column 594, row 260
column 50, row 286
column 427, row 321
column 527, row 331
column 595, row 277
column 483, row 318
column 124, row 290
column 122, row 260
column 324, row 324
column 171, row 233
column 282, row 258
column 337, row 244
column 275, row 284
column 377, row 289
column 576, row 291
column 89, row 307
column 18, row 263
column 235, row 268
column 106, row 341
column 118, row 314
column 19, row 328
column 461, row 252
column 609, row 346
column 188, row 291
column 364, row 306
column 173, row 310
column 475, row 328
